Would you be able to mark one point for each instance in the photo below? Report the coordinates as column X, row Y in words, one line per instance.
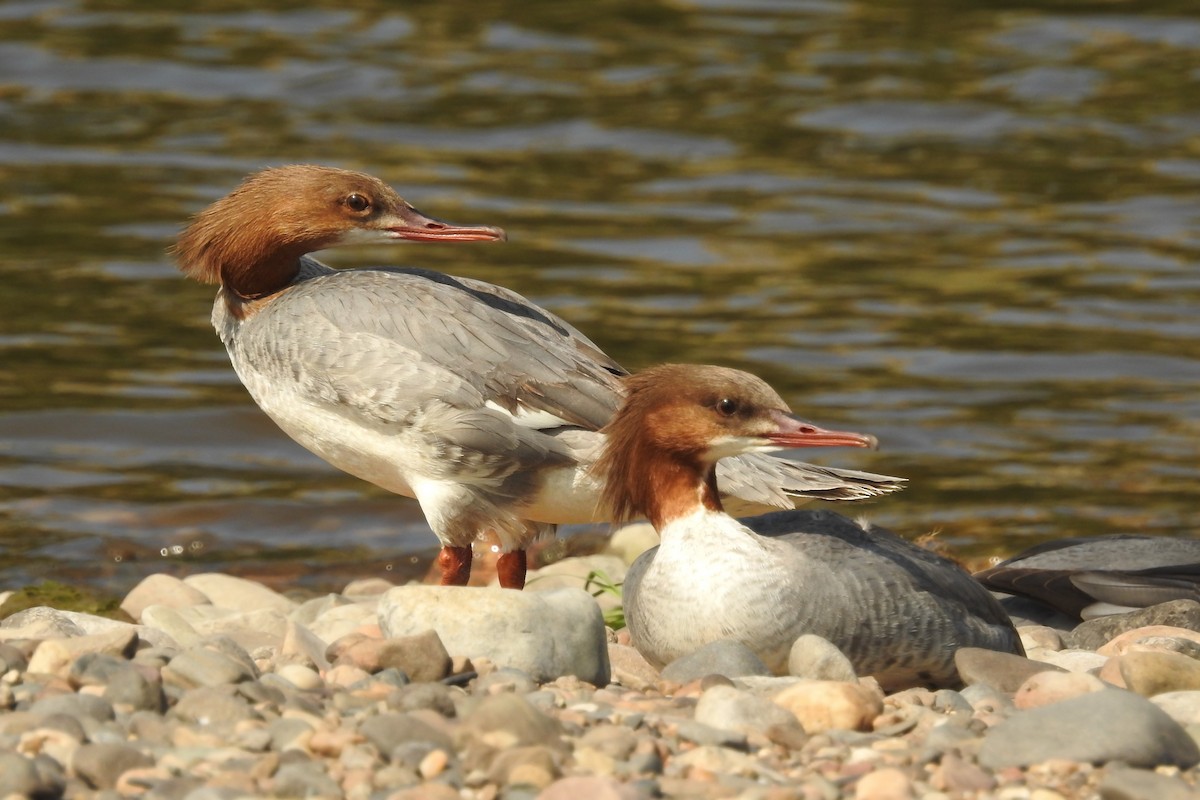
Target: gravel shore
column 225, row 688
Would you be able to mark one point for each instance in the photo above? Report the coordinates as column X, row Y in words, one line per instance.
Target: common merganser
column 896, row 610
column 1095, row 576
column 462, row 394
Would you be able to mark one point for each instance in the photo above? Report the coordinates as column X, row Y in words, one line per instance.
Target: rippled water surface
column 972, row 229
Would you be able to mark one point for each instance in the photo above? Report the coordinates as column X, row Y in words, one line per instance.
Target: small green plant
column 598, row 583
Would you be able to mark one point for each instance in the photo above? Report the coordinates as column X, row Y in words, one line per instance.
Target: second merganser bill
column 896, row 610
column 462, row 394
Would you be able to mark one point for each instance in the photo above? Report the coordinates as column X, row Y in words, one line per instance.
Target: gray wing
column 389, row 342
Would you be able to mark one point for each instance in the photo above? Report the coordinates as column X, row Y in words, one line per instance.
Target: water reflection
column 971, row 231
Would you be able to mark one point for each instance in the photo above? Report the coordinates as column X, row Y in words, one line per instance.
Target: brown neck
column 641, row 481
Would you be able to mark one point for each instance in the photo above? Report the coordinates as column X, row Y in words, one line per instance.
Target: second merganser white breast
column 462, row 394
column 896, row 610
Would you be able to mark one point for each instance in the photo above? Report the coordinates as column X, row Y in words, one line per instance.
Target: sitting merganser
column 464, row 395
column 896, row 610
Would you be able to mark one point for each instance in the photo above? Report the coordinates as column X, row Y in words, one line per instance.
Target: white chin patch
column 727, row 446
column 364, row 236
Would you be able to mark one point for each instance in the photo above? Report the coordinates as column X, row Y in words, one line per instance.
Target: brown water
column 972, row 229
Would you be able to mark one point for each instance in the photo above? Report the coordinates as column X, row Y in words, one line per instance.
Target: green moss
column 64, row 598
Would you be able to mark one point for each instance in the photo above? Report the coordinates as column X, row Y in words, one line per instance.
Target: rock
column 389, row 731
column 1183, row 707
column 1040, row 636
column 532, row 766
column 303, row 678
column 301, row 646
column 422, row 657
column 736, row 710
column 726, row 657
column 54, row 656
column 206, row 666
column 630, row 668
column 1120, row 644
column 1146, row 735
column 590, row 787
column 1004, row 672
column 160, row 589
column 1141, row 784
column 506, row 720
column 29, row 777
column 1095, row 633
column 228, row 591
column 887, row 783
column 100, row 765
column 818, row 658
column 171, row 623
column 1149, row 673
column 339, row 620
column 1046, row 688
column 546, row 634
column 367, row 587
column 630, row 541
column 39, row 622
column 1071, row 660
column 304, row 779
column 219, row 706
column 75, row 705
column 831, row 705
column 574, row 572
column 959, row 776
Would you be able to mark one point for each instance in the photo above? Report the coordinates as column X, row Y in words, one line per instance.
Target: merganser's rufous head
column 251, row 240
column 678, row 420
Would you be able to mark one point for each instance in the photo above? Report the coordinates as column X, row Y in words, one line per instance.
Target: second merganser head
column 251, row 240
column 678, row 420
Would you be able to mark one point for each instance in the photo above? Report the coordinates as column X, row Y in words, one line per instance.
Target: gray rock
column 287, row 732
column 206, row 666
column 41, row 622
column 101, row 764
column 389, row 731
column 432, row 696
column 1004, row 672
column 12, row 658
column 305, row 779
column 546, row 634
column 515, row 717
column 28, row 777
column 816, row 657
column 1183, row 707
column 213, row 705
column 1141, row 784
column 1146, row 735
column 1094, row 633
column 746, row 713
column 160, row 589
column 421, row 657
column 707, row 736
column 55, row 656
column 75, row 705
column 228, row 591
column 505, row 680
column 722, row 657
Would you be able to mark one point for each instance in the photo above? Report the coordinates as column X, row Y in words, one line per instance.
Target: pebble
column 831, row 705
column 727, row 657
column 546, row 634
column 1095, row 633
column 227, row 699
column 1082, row 729
column 818, row 658
column 1004, row 672
column 1151, row 673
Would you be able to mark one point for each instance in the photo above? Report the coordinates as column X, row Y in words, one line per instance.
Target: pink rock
column 1052, row 687
column 831, row 705
column 887, row 783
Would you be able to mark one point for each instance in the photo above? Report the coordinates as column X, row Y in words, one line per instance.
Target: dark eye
column 357, row 202
column 727, row 407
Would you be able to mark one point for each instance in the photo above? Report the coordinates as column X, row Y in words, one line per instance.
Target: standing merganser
column 464, row 395
column 896, row 610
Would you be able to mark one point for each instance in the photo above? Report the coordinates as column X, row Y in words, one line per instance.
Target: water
column 972, row 229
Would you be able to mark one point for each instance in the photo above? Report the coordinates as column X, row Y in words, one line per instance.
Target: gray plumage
column 896, row 610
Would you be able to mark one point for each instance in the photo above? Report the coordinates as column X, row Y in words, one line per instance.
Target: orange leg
column 455, row 564
column 510, row 568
